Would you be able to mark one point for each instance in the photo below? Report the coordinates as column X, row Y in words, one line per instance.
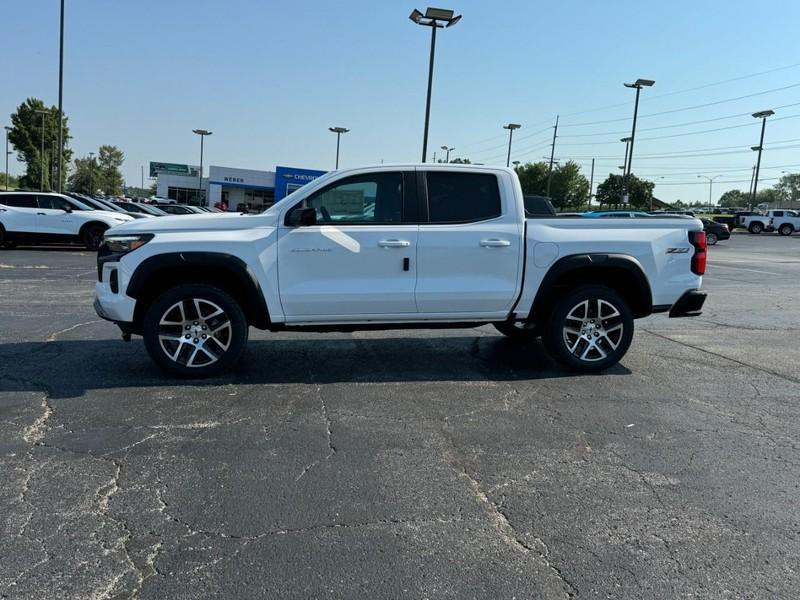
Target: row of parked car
column 46, row 217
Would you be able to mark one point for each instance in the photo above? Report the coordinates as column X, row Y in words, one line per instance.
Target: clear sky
column 269, row 78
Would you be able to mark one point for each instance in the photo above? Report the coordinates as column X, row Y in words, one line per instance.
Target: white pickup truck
column 388, row 247
column 781, row 220
column 785, row 222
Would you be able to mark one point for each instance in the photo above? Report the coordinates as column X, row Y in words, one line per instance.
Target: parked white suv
column 413, row 246
column 38, row 217
column 785, row 222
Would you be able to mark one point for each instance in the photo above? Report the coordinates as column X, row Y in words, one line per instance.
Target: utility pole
column 552, row 154
column 142, row 184
column 591, row 185
column 91, row 174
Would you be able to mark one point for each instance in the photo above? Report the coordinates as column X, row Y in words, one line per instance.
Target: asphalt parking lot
column 432, row 464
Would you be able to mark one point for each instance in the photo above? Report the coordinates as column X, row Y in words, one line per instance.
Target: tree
column 568, row 188
column 12, row 182
column 772, row 196
column 611, row 191
column 26, row 137
column 110, row 159
column 733, row 198
column 85, row 178
column 789, row 186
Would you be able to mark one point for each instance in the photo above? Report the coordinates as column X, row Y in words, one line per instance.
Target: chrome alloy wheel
column 194, row 332
column 593, row 329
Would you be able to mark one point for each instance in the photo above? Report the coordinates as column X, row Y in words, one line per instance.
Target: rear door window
column 19, row 200
column 462, row 197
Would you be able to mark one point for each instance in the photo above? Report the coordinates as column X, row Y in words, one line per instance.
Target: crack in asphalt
column 718, row 355
column 500, row 521
column 328, row 434
column 54, row 336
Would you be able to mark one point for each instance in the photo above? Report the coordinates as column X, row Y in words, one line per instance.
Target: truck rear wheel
column 518, row 330
column 756, row 227
column 590, row 329
column 194, row 331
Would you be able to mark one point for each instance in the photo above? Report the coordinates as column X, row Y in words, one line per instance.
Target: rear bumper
column 690, row 304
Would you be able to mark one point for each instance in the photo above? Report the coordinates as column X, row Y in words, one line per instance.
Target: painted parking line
column 718, row 266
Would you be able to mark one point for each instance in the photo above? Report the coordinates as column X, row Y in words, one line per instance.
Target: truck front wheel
column 786, row 229
column 194, row 331
column 756, row 228
column 590, row 329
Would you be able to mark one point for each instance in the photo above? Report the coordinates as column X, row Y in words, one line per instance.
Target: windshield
column 78, row 204
column 151, row 210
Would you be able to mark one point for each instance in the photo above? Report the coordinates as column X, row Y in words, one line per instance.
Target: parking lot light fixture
column 763, row 114
column 710, row 186
column 202, row 133
column 637, row 85
column 448, row 150
column 434, row 18
column 338, row 131
column 511, row 127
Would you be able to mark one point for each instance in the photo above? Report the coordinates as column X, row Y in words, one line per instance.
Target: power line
column 685, row 90
column 674, row 110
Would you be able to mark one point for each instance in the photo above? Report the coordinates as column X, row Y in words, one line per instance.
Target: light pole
column 638, row 85
column 91, row 174
column 763, row 116
column 338, row 131
column 627, row 141
column 511, row 127
column 142, row 180
column 433, row 18
column 446, row 149
column 7, row 128
column 41, row 154
column 710, row 186
column 202, row 133
column 60, row 98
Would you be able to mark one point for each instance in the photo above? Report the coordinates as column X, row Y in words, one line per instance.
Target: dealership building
column 238, row 188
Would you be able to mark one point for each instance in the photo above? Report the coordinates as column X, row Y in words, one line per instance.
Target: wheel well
column 620, row 279
column 227, row 280
column 85, row 226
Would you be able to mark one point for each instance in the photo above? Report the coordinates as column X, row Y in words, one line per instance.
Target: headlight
column 120, row 244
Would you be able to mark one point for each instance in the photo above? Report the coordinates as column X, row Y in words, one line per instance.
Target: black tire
column 712, row 238
column 786, row 229
column 92, row 236
column 609, row 343
column 165, row 330
column 756, row 227
column 518, row 330
column 2, row 237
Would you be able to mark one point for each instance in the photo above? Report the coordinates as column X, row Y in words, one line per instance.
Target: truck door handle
column 42, row 214
column 495, row 243
column 394, row 243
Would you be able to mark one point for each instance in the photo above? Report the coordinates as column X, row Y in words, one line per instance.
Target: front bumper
column 690, row 304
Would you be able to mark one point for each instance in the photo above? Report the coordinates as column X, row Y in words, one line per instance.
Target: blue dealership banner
column 288, row 179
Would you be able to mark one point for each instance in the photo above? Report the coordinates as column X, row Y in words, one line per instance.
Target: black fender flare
column 598, row 262
column 218, row 262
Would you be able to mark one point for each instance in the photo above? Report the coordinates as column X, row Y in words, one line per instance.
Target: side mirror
column 302, row 217
column 67, row 208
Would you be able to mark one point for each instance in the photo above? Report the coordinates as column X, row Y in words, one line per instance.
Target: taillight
column 698, row 240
